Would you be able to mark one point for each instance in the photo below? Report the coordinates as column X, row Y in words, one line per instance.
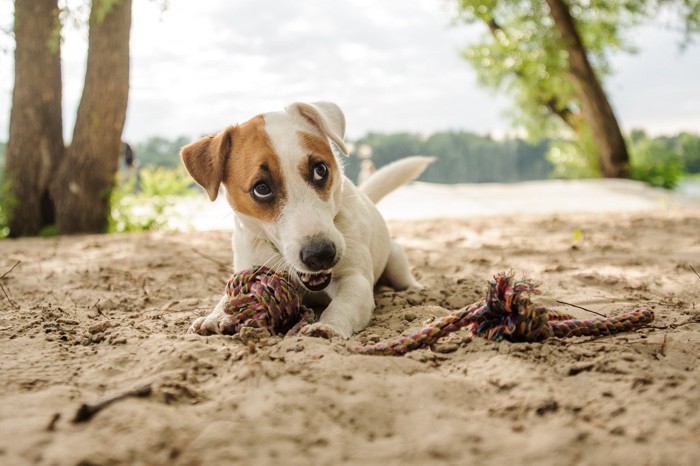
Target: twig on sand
column 582, row 308
column 11, row 269
column 96, row 307
column 221, row 265
column 87, row 411
column 51, row 426
column 4, row 290
column 693, row 269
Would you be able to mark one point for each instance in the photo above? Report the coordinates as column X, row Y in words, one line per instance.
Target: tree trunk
column 86, row 176
column 612, row 150
column 36, row 128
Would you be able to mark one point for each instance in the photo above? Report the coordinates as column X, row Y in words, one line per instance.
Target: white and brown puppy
column 296, row 211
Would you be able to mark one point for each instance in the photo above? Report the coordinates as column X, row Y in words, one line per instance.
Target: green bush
column 689, row 148
column 144, row 202
column 7, row 204
column 654, row 162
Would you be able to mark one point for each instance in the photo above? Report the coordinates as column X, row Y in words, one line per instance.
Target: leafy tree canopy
column 522, row 53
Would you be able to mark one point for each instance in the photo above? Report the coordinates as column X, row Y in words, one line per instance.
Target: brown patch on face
column 318, row 151
column 253, row 161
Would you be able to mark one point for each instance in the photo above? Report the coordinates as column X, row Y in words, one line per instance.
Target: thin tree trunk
column 35, row 144
column 614, row 159
column 86, row 177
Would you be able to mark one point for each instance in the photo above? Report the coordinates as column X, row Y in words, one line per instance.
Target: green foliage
column 521, row 54
column 49, row 231
column 688, row 146
column 574, row 158
column 55, row 39
column 161, row 182
column 7, row 205
column 146, row 203
column 103, row 7
column 3, row 149
column 655, row 161
column 521, row 51
column 160, row 151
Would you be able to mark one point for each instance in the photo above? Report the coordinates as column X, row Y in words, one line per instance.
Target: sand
column 95, row 316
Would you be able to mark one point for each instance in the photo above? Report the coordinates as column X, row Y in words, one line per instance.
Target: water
column 689, row 188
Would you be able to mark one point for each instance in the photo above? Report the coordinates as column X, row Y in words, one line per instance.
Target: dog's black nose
column 318, row 254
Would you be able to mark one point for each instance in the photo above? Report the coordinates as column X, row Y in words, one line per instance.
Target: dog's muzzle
column 319, row 256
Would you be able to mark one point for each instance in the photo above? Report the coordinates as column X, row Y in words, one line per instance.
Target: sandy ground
column 95, row 316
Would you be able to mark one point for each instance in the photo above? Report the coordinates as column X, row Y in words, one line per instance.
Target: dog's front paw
column 320, row 330
column 218, row 322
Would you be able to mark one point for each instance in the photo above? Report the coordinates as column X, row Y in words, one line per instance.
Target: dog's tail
column 391, row 176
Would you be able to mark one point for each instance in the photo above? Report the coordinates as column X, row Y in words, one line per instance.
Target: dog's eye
column 262, row 191
column 320, row 171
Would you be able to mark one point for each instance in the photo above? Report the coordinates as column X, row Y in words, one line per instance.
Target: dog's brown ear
column 327, row 117
column 205, row 160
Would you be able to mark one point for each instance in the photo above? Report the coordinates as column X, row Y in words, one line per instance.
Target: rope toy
column 261, row 298
column 258, row 297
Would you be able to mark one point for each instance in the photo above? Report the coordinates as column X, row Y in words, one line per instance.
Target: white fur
column 349, row 219
column 387, row 178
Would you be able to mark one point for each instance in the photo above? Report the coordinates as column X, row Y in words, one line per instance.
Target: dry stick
column 99, row 311
column 4, row 291
column 582, row 308
column 87, row 411
column 693, row 269
column 7, row 296
column 52, row 423
column 222, row 265
column 11, row 269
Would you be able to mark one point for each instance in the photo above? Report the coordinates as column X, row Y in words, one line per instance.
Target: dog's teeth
column 315, row 279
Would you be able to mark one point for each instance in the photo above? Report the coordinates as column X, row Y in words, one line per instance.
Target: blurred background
column 97, row 98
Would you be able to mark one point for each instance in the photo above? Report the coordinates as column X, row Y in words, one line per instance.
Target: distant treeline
column 160, row 151
column 462, row 157
column 684, row 147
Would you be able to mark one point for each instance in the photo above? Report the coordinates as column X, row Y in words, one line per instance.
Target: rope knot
column 509, row 314
column 260, row 297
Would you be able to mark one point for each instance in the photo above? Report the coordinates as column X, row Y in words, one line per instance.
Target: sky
column 391, row 65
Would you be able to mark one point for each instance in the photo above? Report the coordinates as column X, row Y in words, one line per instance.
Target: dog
column 296, row 211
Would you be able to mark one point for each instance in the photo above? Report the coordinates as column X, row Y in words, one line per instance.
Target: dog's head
column 283, row 178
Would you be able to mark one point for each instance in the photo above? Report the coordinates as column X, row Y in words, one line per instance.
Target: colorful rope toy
column 258, row 297
column 261, row 298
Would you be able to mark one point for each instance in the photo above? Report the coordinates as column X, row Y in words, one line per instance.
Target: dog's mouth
column 316, row 281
